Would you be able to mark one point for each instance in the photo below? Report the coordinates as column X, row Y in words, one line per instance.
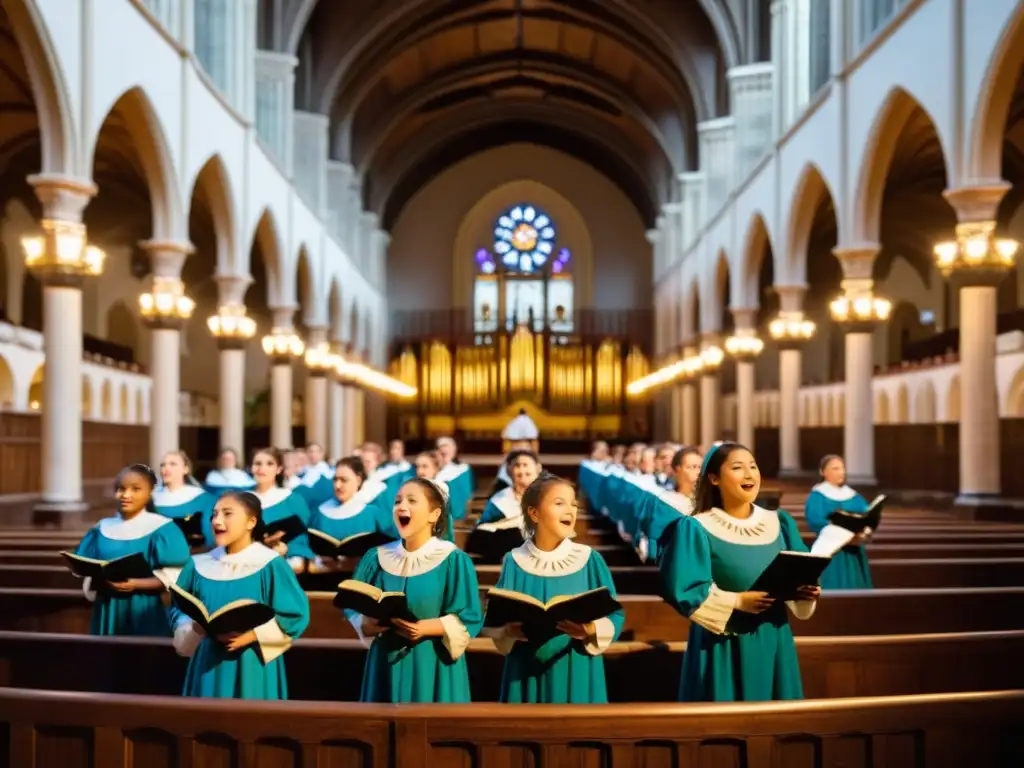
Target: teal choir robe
column 439, row 581
column 657, row 512
column 280, row 503
column 315, row 486
column 185, row 502
column 376, row 495
column 502, row 506
column 350, row 518
column 561, row 670
column 220, row 481
column 732, row 655
column 459, row 478
column 166, row 551
column 257, row 671
column 849, row 567
column 394, row 474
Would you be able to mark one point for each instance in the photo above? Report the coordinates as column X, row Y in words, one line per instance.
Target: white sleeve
column 714, row 613
column 87, row 590
column 356, row 620
column 603, row 635
column 186, row 639
column 456, row 636
column 167, row 576
column 802, row 609
column 272, row 640
column 502, row 641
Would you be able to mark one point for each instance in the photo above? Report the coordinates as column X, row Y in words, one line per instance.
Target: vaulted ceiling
column 412, row 86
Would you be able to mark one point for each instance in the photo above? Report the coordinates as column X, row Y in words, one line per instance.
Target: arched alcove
column 6, row 385
column 924, row 403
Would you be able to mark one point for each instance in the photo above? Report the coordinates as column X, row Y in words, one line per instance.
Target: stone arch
column 7, row 388
column 690, row 320
column 985, row 138
column 713, row 317
column 149, row 141
column 335, row 313
column 924, row 403
column 268, row 237
column 811, row 189
column 87, row 399
column 953, row 400
column 902, row 415
column 106, row 401
column 123, row 404
column 744, row 287
column 881, row 407
column 140, row 407
column 212, row 185
column 877, row 158
column 354, row 327
column 123, row 326
column 306, row 289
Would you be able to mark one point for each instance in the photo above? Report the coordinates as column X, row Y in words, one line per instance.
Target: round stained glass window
column 524, row 238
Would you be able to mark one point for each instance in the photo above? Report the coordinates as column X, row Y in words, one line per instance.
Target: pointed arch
column 335, row 319
column 354, row 327
column 745, row 293
column 810, row 191
column 924, row 403
column 132, row 114
column 690, row 315
column 212, row 187
column 306, row 290
column 876, row 161
column 267, row 238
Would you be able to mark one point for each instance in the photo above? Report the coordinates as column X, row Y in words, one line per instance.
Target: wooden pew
column 831, row 667
column 648, row 618
column 48, row 729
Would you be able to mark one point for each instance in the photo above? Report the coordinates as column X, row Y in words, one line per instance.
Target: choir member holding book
column 420, row 630
column 740, row 646
column 285, row 514
column 126, row 595
column 849, row 567
column 237, row 609
column 184, row 500
column 500, row 528
column 558, row 660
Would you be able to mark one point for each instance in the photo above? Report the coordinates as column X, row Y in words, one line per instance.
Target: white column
column 746, row 321
column 350, row 425
column 281, row 403
column 232, row 398
column 167, row 259
column 316, row 393
column 979, row 398
column 859, row 430
column 709, row 409
column 336, row 424
column 691, row 417
column 790, row 366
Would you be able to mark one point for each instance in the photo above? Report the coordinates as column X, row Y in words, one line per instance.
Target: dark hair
column 706, row 495
column 355, row 464
column 534, row 495
column 522, row 411
column 253, row 507
column 516, row 455
column 147, row 472
column 278, row 458
column 679, row 456
column 437, row 501
column 825, row 460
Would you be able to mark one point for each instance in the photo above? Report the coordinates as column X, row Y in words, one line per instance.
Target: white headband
column 442, row 488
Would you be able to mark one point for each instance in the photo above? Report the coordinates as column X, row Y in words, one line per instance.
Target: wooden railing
column 47, row 730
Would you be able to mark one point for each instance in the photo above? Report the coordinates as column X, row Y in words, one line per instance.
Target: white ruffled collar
column 230, row 478
column 382, row 473
column 396, row 560
column 565, row 559
column 218, row 565
column 450, row 471
column 835, row 492
column 507, row 503
column 762, row 527
column 274, row 496
column 143, row 524
column 165, row 498
column 678, row 501
column 314, row 473
column 335, row 510
column 370, row 490
column 399, row 466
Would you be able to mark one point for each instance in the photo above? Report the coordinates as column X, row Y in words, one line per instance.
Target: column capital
column 745, row 318
column 231, row 289
column 857, row 260
column 63, row 197
column 315, row 335
column 283, row 317
column 167, row 257
column 978, row 203
column 791, row 297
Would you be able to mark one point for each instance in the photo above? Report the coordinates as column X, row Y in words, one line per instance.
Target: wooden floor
column 923, row 671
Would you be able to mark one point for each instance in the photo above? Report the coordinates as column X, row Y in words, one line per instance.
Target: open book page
column 831, row 539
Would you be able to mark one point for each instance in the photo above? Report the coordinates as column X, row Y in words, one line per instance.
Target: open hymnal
column 505, row 606
column 290, row 526
column 357, row 545
column 133, row 566
column 843, row 526
column 788, row 571
column 370, row 601
column 234, row 618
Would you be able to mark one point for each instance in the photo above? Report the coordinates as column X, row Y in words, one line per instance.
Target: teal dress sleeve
column 291, row 611
column 87, row 546
column 817, row 508
column 608, row 628
column 167, row 553
column 688, row 579
column 462, row 615
column 791, row 539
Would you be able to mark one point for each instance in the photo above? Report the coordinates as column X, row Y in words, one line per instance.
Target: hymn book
column 133, row 566
column 843, row 526
column 788, row 571
column 505, row 606
column 492, row 540
column 325, row 545
column 370, row 601
column 290, row 526
column 236, row 617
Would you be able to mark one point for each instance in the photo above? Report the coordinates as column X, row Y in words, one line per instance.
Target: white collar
column 679, row 502
column 565, row 559
column 335, row 510
column 274, row 496
column 394, row 558
column 293, row 482
column 314, row 473
column 218, row 565
column 506, row 502
column 383, row 472
column 762, row 527
column 143, row 524
column 835, row 493
column 450, row 471
column 165, row 498
column 400, row 466
column 642, row 481
column 370, row 490
column 230, row 478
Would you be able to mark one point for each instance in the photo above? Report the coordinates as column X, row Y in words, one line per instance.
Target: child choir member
column 247, row 665
column 456, row 475
column 740, row 646
column 659, row 511
column 849, row 567
column 348, row 514
column 278, row 504
column 315, row 484
column 181, row 495
column 566, row 668
column 420, row 661
column 228, row 476
column 134, row 607
column 397, row 462
column 427, row 465
column 378, row 488
column 522, row 468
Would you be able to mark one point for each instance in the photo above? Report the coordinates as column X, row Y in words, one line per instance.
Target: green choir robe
column 185, row 502
column 166, row 551
column 439, row 581
column 849, row 567
column 560, row 670
column 280, row 503
column 732, row 655
column 257, row 671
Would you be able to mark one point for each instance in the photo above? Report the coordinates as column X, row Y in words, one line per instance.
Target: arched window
column 525, row 277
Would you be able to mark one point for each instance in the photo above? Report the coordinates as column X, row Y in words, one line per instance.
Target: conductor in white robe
column 521, row 428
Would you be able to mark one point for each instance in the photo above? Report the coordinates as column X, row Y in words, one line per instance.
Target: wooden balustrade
column 48, row 729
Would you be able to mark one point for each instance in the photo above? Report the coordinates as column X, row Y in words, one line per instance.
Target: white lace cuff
column 167, row 576
column 802, row 609
column 186, row 639
column 356, row 620
column 87, row 590
column 272, row 640
column 456, row 636
column 502, row 642
column 714, row 613
column 604, row 633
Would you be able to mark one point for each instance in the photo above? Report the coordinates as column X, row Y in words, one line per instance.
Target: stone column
column 167, row 259
column 977, row 280
column 691, row 415
column 336, row 410
column 316, row 391
column 63, row 201
column 281, row 383
column 232, row 290
column 791, row 298
column 859, row 427
column 710, row 401
column 745, row 321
